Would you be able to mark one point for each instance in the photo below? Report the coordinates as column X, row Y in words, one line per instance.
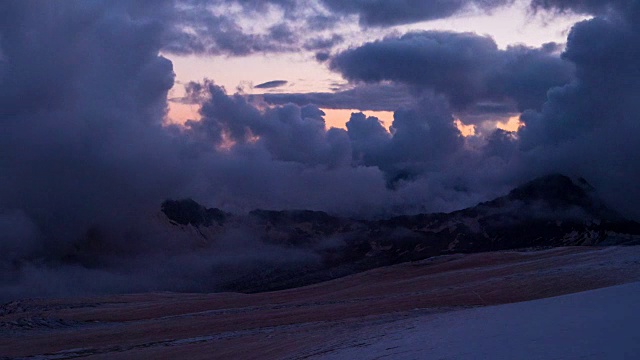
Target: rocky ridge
column 550, row 211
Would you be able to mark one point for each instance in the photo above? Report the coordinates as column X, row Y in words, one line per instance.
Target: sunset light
column 319, row 179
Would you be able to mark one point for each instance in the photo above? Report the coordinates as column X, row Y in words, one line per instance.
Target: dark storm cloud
column 590, row 124
column 501, row 144
column 58, row 109
column 465, row 67
column 86, row 159
column 606, row 72
column 422, row 138
column 387, row 13
column 271, row 84
column 82, row 98
column 288, row 133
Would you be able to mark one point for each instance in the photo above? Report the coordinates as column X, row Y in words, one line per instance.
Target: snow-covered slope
column 376, row 308
column 597, row 324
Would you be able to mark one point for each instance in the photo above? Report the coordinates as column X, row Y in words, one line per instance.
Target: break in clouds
column 86, row 156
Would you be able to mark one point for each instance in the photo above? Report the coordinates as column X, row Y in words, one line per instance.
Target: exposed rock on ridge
column 549, row 211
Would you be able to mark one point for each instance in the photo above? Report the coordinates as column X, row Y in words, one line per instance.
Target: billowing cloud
column 83, row 99
column 421, row 140
column 589, row 124
column 288, row 133
column 465, row 67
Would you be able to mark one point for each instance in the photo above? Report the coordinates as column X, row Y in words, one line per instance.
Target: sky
column 514, row 23
column 366, row 108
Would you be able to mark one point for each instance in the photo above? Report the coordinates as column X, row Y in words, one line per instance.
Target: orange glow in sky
column 512, row 125
column 338, row 117
column 506, row 25
column 179, row 113
column 465, row 130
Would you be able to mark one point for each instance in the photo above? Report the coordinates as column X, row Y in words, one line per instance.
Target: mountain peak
column 189, row 212
column 557, row 191
column 553, row 210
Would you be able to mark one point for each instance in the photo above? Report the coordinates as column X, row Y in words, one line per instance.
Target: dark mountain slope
column 549, row 211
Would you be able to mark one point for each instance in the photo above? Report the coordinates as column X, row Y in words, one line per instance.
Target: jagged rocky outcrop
column 189, row 212
column 550, row 211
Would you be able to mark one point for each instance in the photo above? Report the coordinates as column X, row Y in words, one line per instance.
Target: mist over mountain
column 549, row 211
column 87, row 154
column 207, row 249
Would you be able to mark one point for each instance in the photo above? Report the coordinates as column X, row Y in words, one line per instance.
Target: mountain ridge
column 549, row 211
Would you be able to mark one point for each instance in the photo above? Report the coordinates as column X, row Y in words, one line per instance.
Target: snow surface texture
column 598, row 324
